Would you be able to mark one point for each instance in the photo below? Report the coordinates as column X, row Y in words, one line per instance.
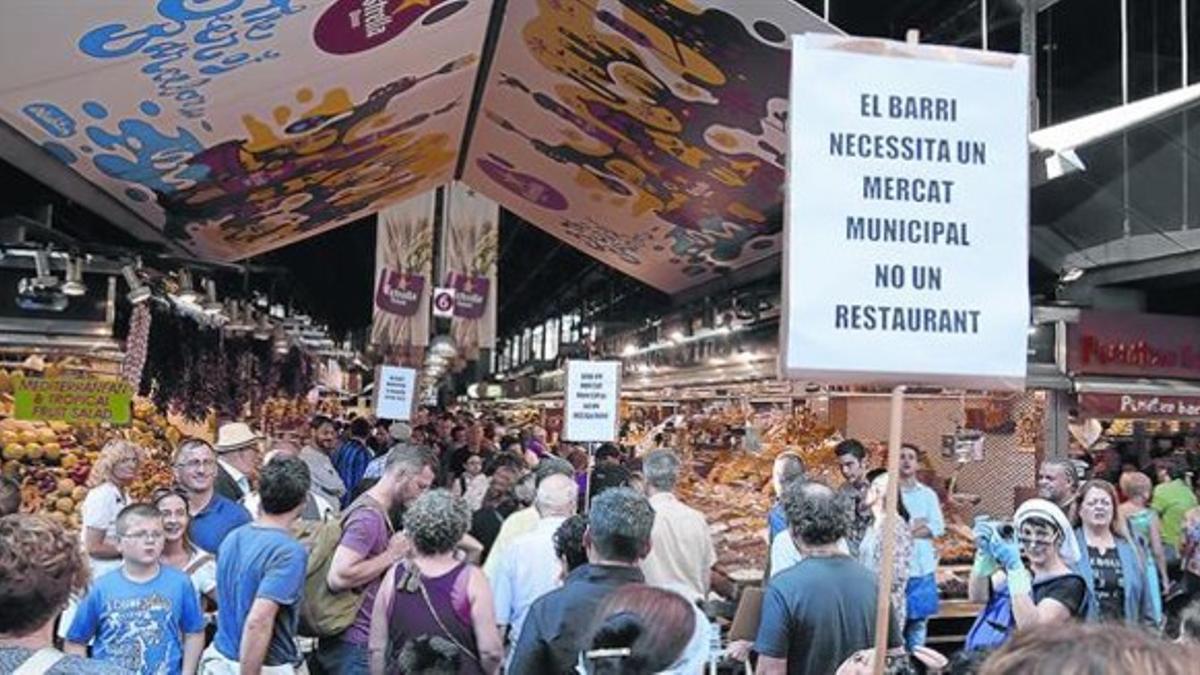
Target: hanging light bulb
column 74, row 286
column 139, row 292
column 187, row 290
column 211, row 306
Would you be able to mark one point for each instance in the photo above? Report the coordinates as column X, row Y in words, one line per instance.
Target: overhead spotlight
column 187, row 290
column 279, row 340
column 139, row 292
column 443, row 346
column 211, row 305
column 262, row 328
column 629, row 350
column 73, row 286
column 41, row 292
column 45, row 276
column 239, row 321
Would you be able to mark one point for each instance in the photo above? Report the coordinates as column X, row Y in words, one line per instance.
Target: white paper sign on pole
column 592, row 393
column 906, row 226
column 395, row 391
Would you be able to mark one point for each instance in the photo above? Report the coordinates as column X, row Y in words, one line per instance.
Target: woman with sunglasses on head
column 111, row 475
column 178, row 550
column 1112, row 566
column 1045, row 592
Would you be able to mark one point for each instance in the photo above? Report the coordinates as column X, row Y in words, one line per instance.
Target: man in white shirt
column 681, row 546
column 529, row 568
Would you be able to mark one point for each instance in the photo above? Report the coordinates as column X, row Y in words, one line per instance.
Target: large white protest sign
column 907, row 218
column 395, row 389
column 592, row 394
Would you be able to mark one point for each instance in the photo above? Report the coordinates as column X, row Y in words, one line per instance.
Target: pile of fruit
column 52, row 460
column 51, row 465
column 279, row 414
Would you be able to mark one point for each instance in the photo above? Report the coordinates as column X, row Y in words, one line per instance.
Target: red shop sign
column 1134, row 345
column 1140, row 406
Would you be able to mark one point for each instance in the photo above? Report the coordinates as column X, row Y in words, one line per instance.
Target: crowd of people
column 452, row 545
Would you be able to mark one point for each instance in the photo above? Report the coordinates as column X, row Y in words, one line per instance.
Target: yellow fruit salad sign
column 73, row 400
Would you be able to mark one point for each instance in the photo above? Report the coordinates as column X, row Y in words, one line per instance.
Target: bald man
column 528, row 568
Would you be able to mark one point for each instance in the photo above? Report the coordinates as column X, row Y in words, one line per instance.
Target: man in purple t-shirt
column 367, row 549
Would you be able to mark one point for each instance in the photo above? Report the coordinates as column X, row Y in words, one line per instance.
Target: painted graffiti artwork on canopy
column 660, row 124
column 238, row 126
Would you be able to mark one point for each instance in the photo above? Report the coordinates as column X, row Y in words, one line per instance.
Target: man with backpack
column 350, row 557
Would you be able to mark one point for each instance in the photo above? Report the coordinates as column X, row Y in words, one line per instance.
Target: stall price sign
column 592, row 393
column 395, row 392
column 907, row 218
column 74, row 400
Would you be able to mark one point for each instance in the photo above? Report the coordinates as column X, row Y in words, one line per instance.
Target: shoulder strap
column 197, row 563
column 438, row 618
column 42, row 661
column 365, row 502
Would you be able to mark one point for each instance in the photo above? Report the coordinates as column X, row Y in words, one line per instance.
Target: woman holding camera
column 1049, row 591
column 1112, row 566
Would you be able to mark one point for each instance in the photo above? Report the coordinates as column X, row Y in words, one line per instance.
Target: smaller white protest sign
column 593, row 391
column 395, row 389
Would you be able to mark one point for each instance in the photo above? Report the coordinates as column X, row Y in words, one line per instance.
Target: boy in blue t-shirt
column 144, row 617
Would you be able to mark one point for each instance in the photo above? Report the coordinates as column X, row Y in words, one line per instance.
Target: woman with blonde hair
column 115, row 469
column 1145, row 529
column 1109, row 562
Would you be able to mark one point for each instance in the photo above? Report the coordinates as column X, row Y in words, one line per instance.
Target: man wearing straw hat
column 238, row 460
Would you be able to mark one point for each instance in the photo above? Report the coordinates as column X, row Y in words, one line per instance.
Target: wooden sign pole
column 886, row 531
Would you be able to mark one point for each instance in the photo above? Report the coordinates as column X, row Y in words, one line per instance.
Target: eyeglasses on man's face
column 193, row 464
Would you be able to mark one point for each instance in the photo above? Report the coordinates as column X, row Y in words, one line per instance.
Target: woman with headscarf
column 1045, row 593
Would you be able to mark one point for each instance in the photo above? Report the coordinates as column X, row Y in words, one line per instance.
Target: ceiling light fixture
column 187, row 290
column 211, row 305
column 139, row 292
column 279, row 341
column 45, row 276
column 262, row 328
column 73, row 286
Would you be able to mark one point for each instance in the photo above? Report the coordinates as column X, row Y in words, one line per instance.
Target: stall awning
column 1139, row 386
column 1140, row 399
